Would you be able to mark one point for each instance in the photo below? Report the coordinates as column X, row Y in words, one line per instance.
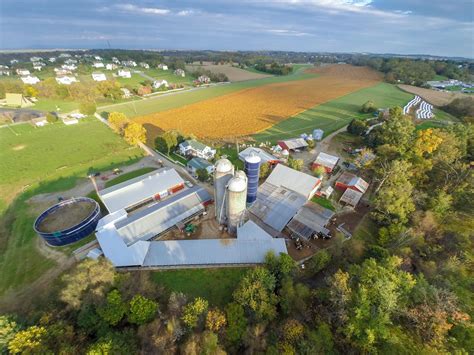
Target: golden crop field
column 252, row 110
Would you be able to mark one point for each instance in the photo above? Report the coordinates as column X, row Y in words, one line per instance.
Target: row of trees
column 274, row 68
column 414, row 71
column 133, row 132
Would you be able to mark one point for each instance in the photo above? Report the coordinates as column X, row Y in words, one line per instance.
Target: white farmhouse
column 144, row 65
column 97, row 58
column 70, row 67
column 159, row 83
column 66, row 80
column 111, row 66
column 29, row 79
column 162, row 66
column 23, row 72
column 99, row 76
column 52, row 59
column 194, row 148
column 98, row 65
column 180, row 72
column 124, row 73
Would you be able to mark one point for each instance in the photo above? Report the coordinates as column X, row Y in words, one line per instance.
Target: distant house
column 68, row 121
column 13, row 61
column 111, row 66
column 39, row 121
column 144, row 65
column 64, row 55
column 52, row 59
column 35, row 59
column 126, row 93
column 61, row 72
column 98, row 58
column 115, row 60
column 350, row 181
column 70, row 61
column 159, row 83
column 327, row 161
column 162, row 66
column 99, row 76
column 204, row 79
column 351, row 197
column 98, row 65
column 129, row 63
column 70, row 67
column 293, row 144
column 180, row 72
column 194, row 148
column 264, row 156
column 23, row 72
column 38, row 66
column 4, row 72
column 66, row 80
column 30, row 79
column 197, row 163
column 124, row 73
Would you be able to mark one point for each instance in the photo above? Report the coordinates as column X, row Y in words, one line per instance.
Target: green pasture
column 44, row 160
column 215, row 285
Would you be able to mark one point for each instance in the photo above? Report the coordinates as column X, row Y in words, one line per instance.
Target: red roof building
column 351, row 181
column 327, row 161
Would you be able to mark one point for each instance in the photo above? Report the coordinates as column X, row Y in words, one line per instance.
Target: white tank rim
column 253, row 159
column 223, row 165
column 237, row 184
column 241, row 174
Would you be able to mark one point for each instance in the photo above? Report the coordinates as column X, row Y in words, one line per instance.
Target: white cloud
column 283, row 32
column 186, row 12
column 144, row 10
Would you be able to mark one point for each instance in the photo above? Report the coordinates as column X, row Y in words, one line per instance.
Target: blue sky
column 439, row 27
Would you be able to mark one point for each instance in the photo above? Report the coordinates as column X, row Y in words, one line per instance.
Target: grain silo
column 236, row 200
column 224, row 170
column 252, row 168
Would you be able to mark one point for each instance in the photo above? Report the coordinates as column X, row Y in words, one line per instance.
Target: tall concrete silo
column 224, row 171
column 252, row 168
column 236, row 200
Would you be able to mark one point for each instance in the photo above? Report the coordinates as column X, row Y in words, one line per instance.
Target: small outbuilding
column 197, row 163
column 293, row 144
column 351, row 197
column 99, row 77
column 318, row 134
column 327, row 161
column 350, row 181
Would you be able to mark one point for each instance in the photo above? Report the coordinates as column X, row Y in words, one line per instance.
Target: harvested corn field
column 249, row 111
column 437, row 98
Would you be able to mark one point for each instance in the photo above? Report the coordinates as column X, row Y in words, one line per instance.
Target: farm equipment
column 190, row 229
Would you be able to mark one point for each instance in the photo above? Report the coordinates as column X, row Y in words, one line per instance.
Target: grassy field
column 64, row 106
column 45, row 160
column 335, row 114
column 128, row 176
column 167, row 102
column 215, row 285
column 323, row 202
column 168, row 75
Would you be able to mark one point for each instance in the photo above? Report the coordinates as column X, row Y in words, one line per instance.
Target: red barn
column 351, row 181
column 327, row 161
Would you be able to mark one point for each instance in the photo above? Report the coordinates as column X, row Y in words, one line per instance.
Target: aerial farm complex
column 141, row 214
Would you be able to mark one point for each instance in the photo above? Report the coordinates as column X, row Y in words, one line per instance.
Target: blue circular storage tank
column 252, row 169
column 68, row 221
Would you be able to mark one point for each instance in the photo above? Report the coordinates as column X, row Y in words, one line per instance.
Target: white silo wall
column 236, row 200
column 224, row 170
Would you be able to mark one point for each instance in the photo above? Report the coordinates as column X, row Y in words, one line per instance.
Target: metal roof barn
column 264, row 156
column 292, row 144
column 276, row 206
column 158, row 218
column 294, row 180
column 351, row 197
column 250, row 247
column 326, row 160
column 310, row 219
column 141, row 188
